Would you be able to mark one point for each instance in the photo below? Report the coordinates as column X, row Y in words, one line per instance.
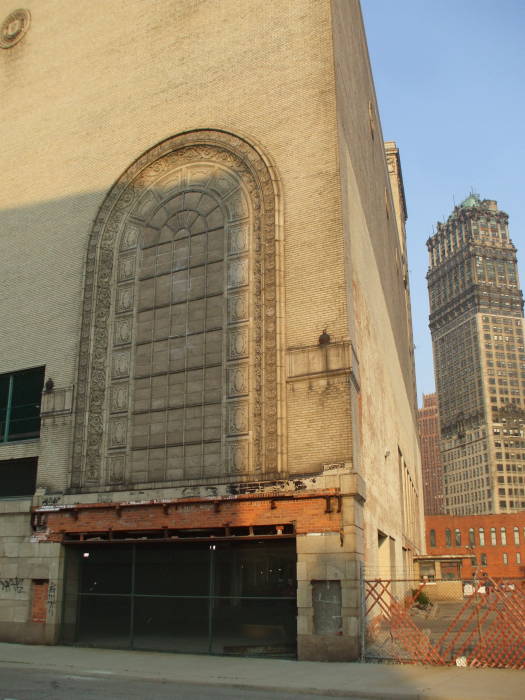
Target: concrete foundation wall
column 22, row 562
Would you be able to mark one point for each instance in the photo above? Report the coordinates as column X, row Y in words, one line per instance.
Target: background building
column 203, row 264
column 491, row 544
column 476, row 320
column 431, row 466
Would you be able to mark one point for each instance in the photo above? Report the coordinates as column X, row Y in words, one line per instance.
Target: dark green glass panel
column 4, row 392
column 18, row 477
column 24, row 420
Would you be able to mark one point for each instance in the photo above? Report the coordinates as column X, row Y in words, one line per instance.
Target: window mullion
column 8, row 409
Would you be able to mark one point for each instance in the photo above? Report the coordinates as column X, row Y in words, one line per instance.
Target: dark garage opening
column 196, row 597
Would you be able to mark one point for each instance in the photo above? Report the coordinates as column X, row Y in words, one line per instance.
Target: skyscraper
column 476, row 321
column 431, row 465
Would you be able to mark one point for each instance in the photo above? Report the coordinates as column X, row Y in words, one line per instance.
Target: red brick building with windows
column 431, row 464
column 492, row 544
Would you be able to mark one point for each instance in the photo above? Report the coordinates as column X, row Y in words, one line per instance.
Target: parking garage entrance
column 209, row 597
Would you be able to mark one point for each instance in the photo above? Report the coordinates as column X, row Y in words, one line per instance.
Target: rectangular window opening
column 20, row 399
column 18, row 477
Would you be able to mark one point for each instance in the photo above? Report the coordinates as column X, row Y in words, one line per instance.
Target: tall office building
column 476, row 321
column 431, row 465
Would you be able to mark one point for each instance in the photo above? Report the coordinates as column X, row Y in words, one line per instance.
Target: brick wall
column 431, row 464
column 39, row 600
column 307, row 512
column 496, row 566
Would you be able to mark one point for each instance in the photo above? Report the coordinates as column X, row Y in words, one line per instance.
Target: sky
column 450, row 83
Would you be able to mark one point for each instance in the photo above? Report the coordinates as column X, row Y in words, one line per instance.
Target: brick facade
column 39, row 601
column 314, row 511
column 502, row 559
column 431, row 465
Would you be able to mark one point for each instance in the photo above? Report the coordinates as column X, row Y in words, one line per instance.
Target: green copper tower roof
column 471, row 201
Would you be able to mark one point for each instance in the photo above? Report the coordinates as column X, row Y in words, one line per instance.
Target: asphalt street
column 34, row 684
column 40, row 672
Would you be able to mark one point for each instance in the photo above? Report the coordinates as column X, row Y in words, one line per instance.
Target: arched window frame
column 100, row 452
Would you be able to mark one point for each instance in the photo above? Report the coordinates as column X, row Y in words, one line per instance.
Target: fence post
column 362, row 609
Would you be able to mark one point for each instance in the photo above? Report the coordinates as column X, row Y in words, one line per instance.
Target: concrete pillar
column 328, row 607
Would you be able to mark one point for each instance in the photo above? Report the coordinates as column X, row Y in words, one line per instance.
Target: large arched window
column 178, row 359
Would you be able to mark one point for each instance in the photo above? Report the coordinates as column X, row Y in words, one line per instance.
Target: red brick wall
column 494, row 552
column 308, row 513
column 39, row 600
column 431, row 465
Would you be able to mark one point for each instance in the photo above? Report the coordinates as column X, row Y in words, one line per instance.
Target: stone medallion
column 14, row 28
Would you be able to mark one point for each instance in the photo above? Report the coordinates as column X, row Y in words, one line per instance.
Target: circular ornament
column 14, row 27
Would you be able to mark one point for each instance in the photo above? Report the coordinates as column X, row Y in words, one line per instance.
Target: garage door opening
column 196, row 597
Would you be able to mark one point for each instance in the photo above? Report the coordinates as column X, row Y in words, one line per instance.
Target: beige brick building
column 204, row 261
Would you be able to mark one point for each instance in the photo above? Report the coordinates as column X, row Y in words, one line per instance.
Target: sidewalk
column 336, row 679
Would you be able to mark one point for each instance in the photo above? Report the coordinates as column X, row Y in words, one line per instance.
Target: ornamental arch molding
column 178, row 372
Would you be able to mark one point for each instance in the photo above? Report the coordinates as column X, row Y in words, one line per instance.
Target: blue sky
column 450, row 82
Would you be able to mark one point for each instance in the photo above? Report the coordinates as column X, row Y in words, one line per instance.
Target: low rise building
column 487, row 544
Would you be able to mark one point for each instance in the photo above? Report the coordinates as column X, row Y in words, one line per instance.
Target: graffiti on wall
column 51, row 598
column 12, row 585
